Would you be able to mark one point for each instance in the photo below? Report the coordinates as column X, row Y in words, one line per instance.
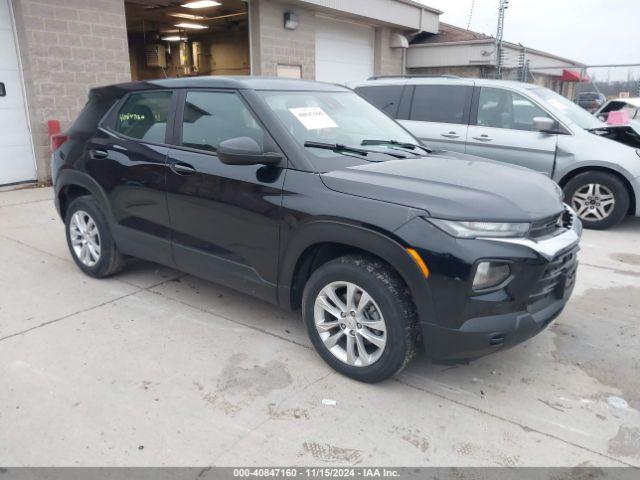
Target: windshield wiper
column 339, row 148
column 395, row 143
column 335, row 147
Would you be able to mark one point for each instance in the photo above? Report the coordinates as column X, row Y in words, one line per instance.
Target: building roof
column 450, row 34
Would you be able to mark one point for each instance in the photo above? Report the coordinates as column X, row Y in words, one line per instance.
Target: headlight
column 560, row 192
column 481, row 229
column 490, row 274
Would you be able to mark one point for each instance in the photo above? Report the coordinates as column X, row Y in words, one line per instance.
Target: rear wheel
column 89, row 239
column 600, row 199
column 360, row 318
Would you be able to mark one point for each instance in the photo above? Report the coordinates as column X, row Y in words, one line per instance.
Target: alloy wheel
column 85, row 238
column 350, row 324
column 593, row 202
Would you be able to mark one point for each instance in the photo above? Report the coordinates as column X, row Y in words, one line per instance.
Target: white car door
column 503, row 131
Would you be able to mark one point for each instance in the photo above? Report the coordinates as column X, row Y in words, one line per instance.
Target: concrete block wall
column 272, row 44
column 387, row 60
column 67, row 47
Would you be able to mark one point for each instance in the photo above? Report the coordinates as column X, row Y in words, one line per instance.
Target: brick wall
column 272, row 44
column 466, row 71
column 67, row 47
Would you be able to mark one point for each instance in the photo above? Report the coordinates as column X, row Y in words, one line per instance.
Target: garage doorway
column 169, row 39
column 344, row 51
column 17, row 160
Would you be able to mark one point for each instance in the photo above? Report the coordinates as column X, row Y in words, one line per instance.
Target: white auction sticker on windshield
column 313, row 118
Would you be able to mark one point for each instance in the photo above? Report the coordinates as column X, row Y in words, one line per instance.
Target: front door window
column 500, row 108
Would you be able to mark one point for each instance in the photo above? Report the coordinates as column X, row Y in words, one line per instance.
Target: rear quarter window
column 385, row 97
column 144, row 116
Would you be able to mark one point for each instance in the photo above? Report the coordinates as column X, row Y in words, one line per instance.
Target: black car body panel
column 261, row 229
column 452, row 185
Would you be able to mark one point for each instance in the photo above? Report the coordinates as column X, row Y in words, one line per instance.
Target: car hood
column 628, row 134
column 453, row 186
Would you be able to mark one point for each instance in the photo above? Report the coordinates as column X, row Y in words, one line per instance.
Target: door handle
column 98, row 154
column 182, row 169
column 3, row 90
column 483, row 138
column 450, row 135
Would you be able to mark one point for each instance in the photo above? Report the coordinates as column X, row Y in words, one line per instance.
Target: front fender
column 382, row 245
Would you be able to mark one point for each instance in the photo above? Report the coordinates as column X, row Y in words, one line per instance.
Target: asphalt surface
column 154, row 367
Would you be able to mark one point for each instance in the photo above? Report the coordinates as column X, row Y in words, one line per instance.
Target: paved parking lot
column 153, row 367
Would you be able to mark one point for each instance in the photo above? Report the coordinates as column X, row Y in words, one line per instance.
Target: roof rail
column 378, row 77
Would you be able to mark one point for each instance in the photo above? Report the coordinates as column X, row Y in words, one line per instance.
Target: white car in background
column 629, row 105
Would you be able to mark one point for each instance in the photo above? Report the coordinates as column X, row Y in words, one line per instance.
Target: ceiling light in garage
column 193, row 26
column 188, row 16
column 173, row 38
column 201, row 4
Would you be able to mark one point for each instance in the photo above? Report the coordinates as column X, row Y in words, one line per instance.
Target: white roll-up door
column 17, row 162
column 344, row 51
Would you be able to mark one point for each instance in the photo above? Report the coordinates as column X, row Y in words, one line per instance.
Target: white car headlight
column 481, row 229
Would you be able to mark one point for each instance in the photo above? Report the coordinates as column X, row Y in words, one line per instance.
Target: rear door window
column 144, row 116
column 441, row 104
column 385, row 97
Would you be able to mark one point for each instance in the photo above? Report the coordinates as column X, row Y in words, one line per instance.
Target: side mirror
column 544, row 124
column 245, row 151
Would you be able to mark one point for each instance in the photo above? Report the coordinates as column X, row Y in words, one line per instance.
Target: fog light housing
column 490, row 274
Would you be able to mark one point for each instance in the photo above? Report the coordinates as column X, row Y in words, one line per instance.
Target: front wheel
column 360, row 318
column 600, row 199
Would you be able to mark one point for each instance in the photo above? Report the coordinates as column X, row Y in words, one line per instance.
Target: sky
column 588, row 31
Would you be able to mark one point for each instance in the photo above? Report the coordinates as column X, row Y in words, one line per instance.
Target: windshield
column 566, row 107
column 335, row 118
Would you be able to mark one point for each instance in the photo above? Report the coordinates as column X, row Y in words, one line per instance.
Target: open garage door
column 344, row 51
column 17, row 163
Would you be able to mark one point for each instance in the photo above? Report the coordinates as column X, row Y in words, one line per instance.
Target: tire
column 102, row 262
column 587, row 194
column 389, row 298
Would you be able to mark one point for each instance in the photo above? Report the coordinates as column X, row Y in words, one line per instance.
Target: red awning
column 571, row 76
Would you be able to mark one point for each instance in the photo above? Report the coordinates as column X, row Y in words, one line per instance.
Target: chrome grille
column 551, row 225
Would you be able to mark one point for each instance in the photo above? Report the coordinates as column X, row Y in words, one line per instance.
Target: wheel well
column 68, row 194
column 632, row 197
column 314, row 257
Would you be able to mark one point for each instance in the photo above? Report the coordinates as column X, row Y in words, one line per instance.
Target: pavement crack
column 237, row 322
column 513, row 422
column 26, row 203
column 4, row 237
column 84, row 310
column 612, row 269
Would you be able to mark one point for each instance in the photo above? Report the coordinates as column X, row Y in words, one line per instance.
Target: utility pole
column 502, row 7
column 523, row 65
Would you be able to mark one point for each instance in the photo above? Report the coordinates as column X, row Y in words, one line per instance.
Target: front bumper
column 481, row 336
column 467, row 325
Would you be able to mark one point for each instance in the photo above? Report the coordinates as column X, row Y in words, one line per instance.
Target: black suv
column 307, row 196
